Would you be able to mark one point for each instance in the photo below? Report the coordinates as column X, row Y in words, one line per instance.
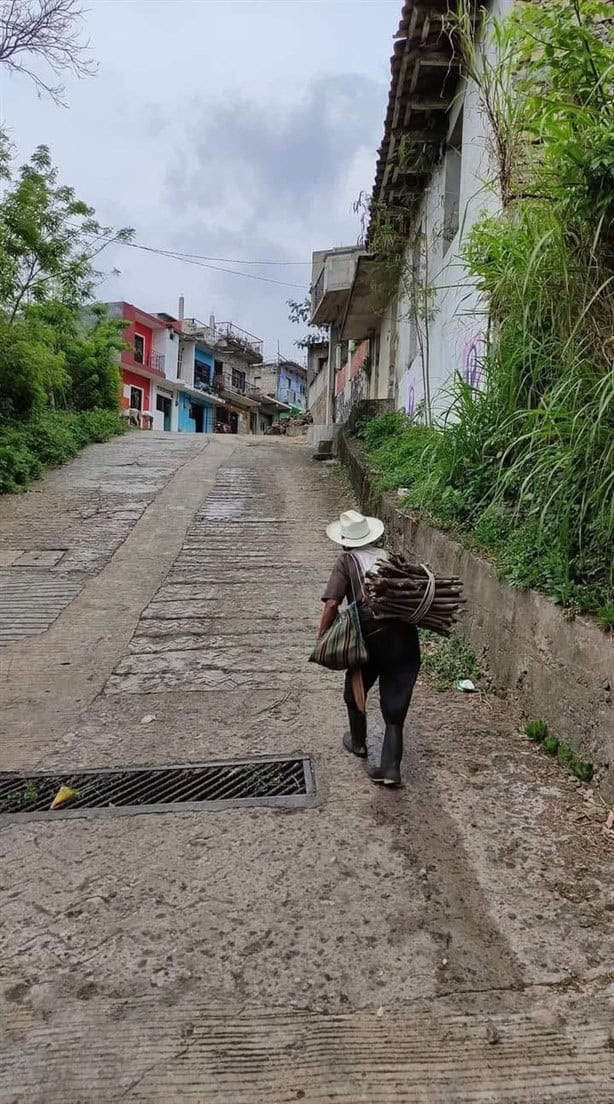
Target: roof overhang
column 276, row 404
column 234, row 398
column 150, row 320
column 194, row 392
column 364, row 307
column 425, row 68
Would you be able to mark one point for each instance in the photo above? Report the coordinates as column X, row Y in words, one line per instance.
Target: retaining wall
column 556, row 670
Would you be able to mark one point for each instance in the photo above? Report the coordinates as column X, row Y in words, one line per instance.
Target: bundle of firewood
column 399, row 589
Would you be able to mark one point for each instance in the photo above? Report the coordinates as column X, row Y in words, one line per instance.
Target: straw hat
column 355, row 530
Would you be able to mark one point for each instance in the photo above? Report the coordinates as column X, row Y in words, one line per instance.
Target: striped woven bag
column 342, row 647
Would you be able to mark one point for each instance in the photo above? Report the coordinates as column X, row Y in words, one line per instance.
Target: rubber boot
column 356, row 739
column 389, row 770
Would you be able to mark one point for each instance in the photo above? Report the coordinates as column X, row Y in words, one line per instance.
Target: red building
column 140, row 364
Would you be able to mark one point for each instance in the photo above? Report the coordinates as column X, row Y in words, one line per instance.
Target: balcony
column 147, row 364
column 235, row 385
column 364, row 306
column 195, row 328
column 332, row 277
column 231, row 381
column 233, row 339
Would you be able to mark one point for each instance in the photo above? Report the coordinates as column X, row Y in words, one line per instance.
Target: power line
column 202, row 257
column 188, row 259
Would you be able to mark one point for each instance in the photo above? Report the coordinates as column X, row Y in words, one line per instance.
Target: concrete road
column 451, row 942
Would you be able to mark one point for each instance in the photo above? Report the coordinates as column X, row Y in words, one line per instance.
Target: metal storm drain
column 281, row 782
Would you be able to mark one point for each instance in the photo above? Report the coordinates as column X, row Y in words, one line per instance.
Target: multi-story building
column 195, row 399
column 283, row 380
column 195, row 377
column 415, row 334
column 318, row 386
column 151, row 352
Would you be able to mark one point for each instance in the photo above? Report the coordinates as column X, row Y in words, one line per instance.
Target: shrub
column 18, row 466
column 445, row 660
column 605, row 617
column 536, row 731
column 48, row 440
column 551, row 745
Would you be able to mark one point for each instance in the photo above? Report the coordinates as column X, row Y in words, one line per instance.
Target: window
column 202, row 373
column 136, row 398
column 139, row 348
column 452, row 170
column 322, row 362
column 238, row 379
column 160, row 401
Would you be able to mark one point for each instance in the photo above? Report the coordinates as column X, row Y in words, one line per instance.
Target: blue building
column 284, row 380
column 197, row 401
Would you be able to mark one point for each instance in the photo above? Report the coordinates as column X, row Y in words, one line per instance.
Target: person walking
column 393, row 647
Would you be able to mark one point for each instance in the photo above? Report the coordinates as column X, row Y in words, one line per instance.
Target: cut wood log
column 396, row 590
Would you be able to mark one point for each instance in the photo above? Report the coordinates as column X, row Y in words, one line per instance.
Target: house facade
column 407, row 341
column 317, row 380
column 285, row 381
column 184, row 375
column 151, row 352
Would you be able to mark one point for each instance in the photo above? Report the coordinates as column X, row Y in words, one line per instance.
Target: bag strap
column 358, row 571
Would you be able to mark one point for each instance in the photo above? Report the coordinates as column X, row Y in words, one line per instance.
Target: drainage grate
column 285, row 782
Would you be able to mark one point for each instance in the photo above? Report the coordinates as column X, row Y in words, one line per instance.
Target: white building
column 433, row 166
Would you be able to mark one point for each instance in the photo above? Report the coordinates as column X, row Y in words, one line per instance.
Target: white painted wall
column 168, row 347
column 317, row 388
column 186, row 356
column 458, row 320
column 158, row 415
column 380, row 376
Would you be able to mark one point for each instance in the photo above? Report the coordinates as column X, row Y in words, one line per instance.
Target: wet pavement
column 451, row 941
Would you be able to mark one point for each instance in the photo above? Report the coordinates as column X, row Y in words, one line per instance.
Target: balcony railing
column 153, row 362
column 196, row 328
column 231, row 382
column 318, row 290
column 228, row 333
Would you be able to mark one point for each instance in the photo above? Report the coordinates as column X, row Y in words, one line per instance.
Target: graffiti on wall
column 346, row 399
column 473, row 361
column 407, row 394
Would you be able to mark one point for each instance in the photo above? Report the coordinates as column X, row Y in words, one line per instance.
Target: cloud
column 256, row 172
column 254, row 181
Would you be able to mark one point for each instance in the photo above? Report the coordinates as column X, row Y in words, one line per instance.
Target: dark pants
column 394, row 658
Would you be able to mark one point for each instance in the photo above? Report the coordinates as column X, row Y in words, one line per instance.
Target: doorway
column 164, row 406
column 197, row 414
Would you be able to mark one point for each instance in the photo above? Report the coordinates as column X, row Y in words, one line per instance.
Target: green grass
column 47, row 440
column 454, row 489
column 536, row 731
column 447, row 659
column 524, row 469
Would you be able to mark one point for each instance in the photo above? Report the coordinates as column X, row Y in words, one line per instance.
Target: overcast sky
column 242, row 129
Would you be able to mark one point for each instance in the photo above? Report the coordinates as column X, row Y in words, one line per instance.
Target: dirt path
column 450, row 942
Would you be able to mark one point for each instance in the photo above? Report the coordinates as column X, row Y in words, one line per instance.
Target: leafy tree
column 299, row 314
column 31, row 372
column 49, row 239
column 56, row 350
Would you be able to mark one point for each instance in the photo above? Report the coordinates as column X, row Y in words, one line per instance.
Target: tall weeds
column 528, row 464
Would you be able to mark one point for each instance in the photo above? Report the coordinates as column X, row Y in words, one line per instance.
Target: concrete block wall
column 556, row 670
